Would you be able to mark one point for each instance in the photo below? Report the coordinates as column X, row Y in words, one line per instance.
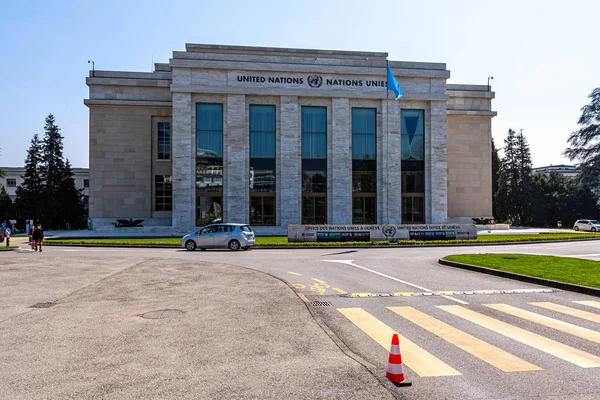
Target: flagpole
column 387, row 133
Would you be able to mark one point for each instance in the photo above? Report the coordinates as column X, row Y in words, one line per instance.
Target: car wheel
column 593, row 229
column 190, row 245
column 576, row 228
column 234, row 245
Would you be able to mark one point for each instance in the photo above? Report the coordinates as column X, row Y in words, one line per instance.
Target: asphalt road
column 516, row 341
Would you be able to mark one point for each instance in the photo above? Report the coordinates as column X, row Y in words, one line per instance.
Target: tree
column 29, row 194
column 52, row 173
column 73, row 208
column 514, row 185
column 5, row 205
column 496, row 166
column 585, row 142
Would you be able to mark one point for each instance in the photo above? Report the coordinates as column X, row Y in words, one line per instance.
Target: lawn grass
column 562, row 269
column 283, row 240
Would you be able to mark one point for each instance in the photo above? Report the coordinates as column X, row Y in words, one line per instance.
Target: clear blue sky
column 542, row 54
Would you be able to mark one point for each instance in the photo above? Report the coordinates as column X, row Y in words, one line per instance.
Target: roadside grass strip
column 563, row 269
column 414, row 357
column 277, row 241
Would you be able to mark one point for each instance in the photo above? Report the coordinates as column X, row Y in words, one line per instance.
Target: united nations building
column 276, row 136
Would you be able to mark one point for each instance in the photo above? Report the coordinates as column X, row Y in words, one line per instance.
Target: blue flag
column 392, row 83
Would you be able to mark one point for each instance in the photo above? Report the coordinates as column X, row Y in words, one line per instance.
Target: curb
column 524, row 278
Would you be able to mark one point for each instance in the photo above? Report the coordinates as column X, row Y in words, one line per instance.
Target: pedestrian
column 31, row 241
column 38, row 237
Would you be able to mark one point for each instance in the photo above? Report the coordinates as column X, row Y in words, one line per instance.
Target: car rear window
column 246, row 228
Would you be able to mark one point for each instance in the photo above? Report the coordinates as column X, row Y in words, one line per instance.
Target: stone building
column 275, row 136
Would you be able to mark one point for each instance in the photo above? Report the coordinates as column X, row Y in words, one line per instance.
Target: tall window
column 314, row 165
column 11, row 182
column 86, row 183
column 164, row 141
column 364, row 166
column 209, row 163
column 262, row 165
column 163, row 200
column 413, row 166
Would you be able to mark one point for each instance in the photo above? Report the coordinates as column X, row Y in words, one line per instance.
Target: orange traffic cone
column 394, row 369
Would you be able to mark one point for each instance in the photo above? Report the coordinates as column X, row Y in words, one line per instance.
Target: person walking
column 31, row 241
column 38, row 237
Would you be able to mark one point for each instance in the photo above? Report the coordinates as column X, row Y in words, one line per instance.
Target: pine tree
column 585, row 142
column 73, row 214
column 496, row 166
column 51, row 173
column 5, row 205
column 515, row 182
column 29, row 194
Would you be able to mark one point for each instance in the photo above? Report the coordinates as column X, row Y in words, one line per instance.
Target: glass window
column 164, row 193
column 209, row 162
column 364, row 127
column 164, row 141
column 413, row 210
column 11, row 183
column 413, row 182
column 413, row 129
column 262, row 210
column 262, row 131
column 86, row 183
column 314, row 132
column 364, row 210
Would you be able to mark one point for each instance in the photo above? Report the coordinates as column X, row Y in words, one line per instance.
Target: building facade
column 13, row 177
column 570, row 171
column 272, row 136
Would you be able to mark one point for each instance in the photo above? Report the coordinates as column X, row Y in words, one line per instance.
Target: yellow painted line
column 559, row 325
column 339, row 290
column 554, row 348
column 416, row 358
column 569, row 311
column 298, row 286
column 595, row 304
column 403, row 293
column 294, row 273
column 362, row 294
column 320, row 281
column 492, row 355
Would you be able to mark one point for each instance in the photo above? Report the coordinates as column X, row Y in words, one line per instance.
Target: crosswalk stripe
column 414, row 357
column 480, row 349
column 562, row 326
column 595, row 304
column 557, row 349
column 569, row 311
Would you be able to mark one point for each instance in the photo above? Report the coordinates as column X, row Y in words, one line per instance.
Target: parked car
column 587, row 225
column 229, row 236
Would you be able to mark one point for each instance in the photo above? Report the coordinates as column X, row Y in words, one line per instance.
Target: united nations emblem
column 388, row 231
column 315, row 81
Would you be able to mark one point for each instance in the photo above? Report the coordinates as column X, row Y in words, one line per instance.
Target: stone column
column 184, row 174
column 388, row 160
column 436, row 168
column 236, row 159
column 289, row 162
column 339, row 183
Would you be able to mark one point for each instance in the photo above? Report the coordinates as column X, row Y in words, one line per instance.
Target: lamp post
column 90, row 61
column 489, row 77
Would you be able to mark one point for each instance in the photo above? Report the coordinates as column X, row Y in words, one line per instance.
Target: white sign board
column 372, row 233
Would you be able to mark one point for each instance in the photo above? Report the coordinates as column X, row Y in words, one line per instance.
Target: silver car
column 587, row 225
column 231, row 236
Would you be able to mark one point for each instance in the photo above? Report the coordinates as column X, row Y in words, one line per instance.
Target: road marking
column 595, row 304
column 559, row 325
column 320, row 281
column 349, row 262
column 339, row 290
column 569, row 311
column 294, row 273
column 554, row 348
column 298, row 286
column 446, row 292
column 416, row 358
column 492, row 355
